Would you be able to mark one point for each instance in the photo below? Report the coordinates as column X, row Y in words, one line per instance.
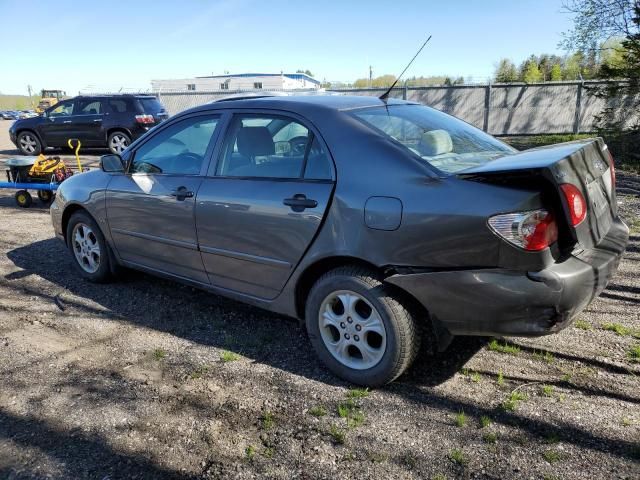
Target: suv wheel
column 117, row 142
column 88, row 248
column 360, row 328
column 29, row 144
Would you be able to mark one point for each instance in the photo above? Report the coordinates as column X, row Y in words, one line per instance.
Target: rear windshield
column 441, row 140
column 151, row 105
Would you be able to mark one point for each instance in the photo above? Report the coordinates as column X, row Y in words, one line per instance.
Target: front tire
column 117, row 142
column 29, row 143
column 88, row 248
column 360, row 328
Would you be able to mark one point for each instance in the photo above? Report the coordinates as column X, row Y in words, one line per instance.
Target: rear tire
column 29, row 143
column 360, row 328
column 88, row 247
column 117, row 142
column 45, row 196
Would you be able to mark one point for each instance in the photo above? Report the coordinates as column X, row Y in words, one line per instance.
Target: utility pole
column 29, row 89
column 370, row 76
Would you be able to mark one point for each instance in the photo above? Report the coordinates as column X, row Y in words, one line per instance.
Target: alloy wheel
column 86, row 248
column 352, row 330
column 118, row 143
column 28, row 143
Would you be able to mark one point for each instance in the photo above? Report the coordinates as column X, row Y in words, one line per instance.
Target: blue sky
column 113, row 44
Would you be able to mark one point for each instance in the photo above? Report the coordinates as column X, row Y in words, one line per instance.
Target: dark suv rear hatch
column 150, row 105
column 584, row 164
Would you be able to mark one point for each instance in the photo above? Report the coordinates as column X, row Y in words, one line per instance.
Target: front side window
column 441, row 140
column 262, row 146
column 62, row 109
column 178, row 149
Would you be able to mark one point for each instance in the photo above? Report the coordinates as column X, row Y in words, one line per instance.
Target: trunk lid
column 584, row 164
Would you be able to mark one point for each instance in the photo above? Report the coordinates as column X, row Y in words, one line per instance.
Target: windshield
column 443, row 141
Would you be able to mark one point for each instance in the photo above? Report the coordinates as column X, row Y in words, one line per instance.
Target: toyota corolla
column 379, row 224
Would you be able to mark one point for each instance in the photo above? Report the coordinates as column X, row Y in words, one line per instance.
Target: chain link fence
column 502, row 109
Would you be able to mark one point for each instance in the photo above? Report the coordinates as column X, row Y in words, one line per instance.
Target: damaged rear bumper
column 505, row 302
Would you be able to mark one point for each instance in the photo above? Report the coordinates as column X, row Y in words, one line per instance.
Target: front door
column 57, row 126
column 151, row 208
column 261, row 210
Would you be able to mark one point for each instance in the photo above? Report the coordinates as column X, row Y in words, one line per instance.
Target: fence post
column 404, row 91
column 487, row 107
column 576, row 119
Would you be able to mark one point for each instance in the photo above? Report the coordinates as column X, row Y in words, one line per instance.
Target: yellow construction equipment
column 49, row 98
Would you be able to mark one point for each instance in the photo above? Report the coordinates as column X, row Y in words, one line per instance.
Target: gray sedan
column 379, row 224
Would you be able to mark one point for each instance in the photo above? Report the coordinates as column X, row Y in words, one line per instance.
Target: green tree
column 531, row 72
column 506, row 72
column 556, row 73
column 572, row 67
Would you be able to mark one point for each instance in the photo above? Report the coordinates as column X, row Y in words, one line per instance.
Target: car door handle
column 67, row 121
column 181, row 193
column 98, row 120
column 299, row 202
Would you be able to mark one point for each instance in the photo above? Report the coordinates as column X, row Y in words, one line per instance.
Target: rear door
column 87, row 120
column 151, row 209
column 260, row 208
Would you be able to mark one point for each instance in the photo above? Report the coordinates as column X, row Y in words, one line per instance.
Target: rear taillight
column 145, row 119
column 576, row 203
column 612, row 168
column 534, row 230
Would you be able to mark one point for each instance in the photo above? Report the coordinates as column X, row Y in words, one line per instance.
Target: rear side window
column 88, row 107
column 118, row 105
column 264, row 146
column 179, row 149
column 150, row 105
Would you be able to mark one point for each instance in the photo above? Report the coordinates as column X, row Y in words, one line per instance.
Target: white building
column 241, row 81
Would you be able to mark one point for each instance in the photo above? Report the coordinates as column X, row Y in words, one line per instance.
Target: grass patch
column 159, row 354
column 490, row 437
column 552, row 456
column 511, row 403
column 484, row 421
column 547, row 390
column 318, row 411
column 475, row 377
column 198, row 372
column 438, row 476
column 355, row 419
column 376, row 457
column 617, row 328
column 250, row 452
column 582, row 324
column 226, row 356
column 337, row 434
column 267, row 421
column 460, row 419
column 505, row 347
column 500, row 379
column 268, row 452
column 544, row 356
column 458, row 457
column 626, row 422
column 551, row 438
column 634, row 353
column 355, row 393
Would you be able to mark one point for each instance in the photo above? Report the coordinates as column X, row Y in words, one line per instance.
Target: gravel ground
column 146, row 378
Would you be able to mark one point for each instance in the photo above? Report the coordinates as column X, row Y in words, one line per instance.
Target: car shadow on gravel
column 206, row 318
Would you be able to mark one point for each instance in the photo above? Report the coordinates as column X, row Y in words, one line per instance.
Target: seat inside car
column 434, row 143
column 257, row 142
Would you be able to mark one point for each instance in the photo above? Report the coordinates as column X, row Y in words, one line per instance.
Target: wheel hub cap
column 86, row 248
column 352, row 330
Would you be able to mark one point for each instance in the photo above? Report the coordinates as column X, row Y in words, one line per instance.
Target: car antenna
column 384, row 96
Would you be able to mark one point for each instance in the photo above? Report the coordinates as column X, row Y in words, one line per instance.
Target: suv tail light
column 612, row 167
column 576, row 203
column 534, row 230
column 145, row 119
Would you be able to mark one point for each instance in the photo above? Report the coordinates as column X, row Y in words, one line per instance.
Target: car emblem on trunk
column 598, row 165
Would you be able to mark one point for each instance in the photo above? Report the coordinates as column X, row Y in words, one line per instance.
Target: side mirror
column 111, row 164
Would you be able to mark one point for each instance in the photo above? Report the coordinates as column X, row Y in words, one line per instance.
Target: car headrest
column 255, row 142
column 435, row 142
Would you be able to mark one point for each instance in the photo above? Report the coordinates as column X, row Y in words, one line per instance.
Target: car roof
column 301, row 102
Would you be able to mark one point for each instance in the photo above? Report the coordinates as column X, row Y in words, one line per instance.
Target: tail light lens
column 576, row 203
column 612, row 167
column 145, row 119
column 533, row 231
